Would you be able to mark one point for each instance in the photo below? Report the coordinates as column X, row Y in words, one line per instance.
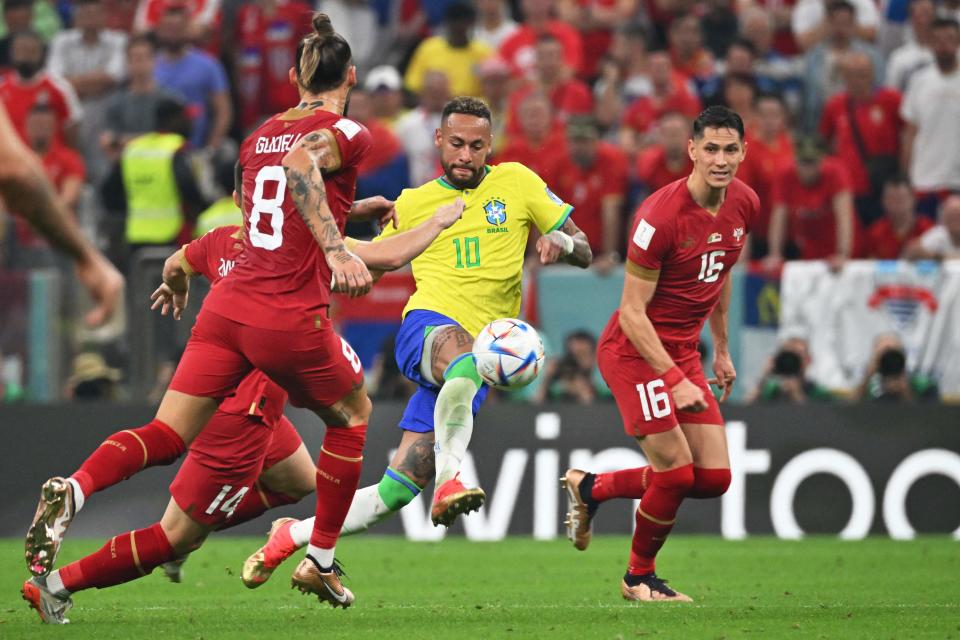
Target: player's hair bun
column 322, row 25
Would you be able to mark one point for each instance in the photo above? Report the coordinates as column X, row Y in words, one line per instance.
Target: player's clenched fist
column 350, row 275
column 554, row 246
column 449, row 213
column 688, row 396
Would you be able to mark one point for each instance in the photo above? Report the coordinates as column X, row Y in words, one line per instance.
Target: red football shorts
column 645, row 402
column 225, row 461
column 316, row 367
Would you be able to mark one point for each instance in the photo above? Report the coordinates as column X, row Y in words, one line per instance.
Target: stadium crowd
column 852, row 112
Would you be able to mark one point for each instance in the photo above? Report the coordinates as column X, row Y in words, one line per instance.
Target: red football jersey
column 645, row 111
column 19, row 97
column 570, row 97
column 879, row 123
column 653, row 171
column 694, row 252
column 760, row 168
column 518, row 49
column 282, row 280
column 810, row 219
column 586, row 188
column 213, row 255
column 60, row 163
column 883, row 243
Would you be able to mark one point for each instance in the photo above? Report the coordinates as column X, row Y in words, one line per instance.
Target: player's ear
column 437, row 138
column 692, row 149
column 292, row 77
column 236, row 198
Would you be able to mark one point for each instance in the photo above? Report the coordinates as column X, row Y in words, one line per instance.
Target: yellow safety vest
column 154, row 215
column 221, row 213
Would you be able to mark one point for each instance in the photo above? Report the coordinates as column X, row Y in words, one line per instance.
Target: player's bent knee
column 710, row 483
column 678, row 480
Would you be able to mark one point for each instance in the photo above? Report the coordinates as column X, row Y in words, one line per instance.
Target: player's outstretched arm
column 172, row 294
column 638, row 290
column 397, row 250
column 26, row 190
column 723, row 370
column 378, row 207
column 567, row 243
column 316, row 152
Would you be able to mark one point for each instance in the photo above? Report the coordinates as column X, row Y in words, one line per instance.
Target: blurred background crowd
column 852, row 111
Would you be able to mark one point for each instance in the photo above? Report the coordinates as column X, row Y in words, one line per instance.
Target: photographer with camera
column 785, row 380
column 886, row 377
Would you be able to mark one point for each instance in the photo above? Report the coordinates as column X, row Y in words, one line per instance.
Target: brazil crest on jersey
column 472, row 271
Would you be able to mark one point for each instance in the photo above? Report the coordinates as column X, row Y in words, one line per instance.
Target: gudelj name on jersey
column 277, row 144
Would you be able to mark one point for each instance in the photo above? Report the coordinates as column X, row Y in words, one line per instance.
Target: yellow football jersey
column 472, row 271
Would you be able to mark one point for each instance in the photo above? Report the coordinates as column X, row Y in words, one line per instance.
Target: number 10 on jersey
column 468, row 252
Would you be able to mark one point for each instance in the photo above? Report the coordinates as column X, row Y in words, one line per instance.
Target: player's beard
column 475, row 176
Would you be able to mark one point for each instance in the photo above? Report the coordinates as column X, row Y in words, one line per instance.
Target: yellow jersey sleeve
column 546, row 210
column 404, row 212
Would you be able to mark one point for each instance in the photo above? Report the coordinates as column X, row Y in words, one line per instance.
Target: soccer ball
column 509, row 353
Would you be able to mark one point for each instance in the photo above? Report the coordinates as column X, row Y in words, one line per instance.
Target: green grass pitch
column 520, row 588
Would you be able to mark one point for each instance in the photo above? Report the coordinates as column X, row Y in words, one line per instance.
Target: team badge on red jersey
column 738, row 233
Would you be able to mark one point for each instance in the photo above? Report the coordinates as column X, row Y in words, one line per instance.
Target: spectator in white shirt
column 810, row 20
column 417, row 127
column 493, row 25
column 942, row 242
column 931, row 111
column 915, row 54
column 92, row 59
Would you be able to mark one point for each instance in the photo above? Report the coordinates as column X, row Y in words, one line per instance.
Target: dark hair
column 742, row 78
column 581, row 334
column 770, row 95
column 896, row 179
column 17, row 4
column 41, row 106
column 458, row 11
column 945, row 23
column 840, row 5
column 635, row 31
column 323, row 57
column 743, row 43
column 146, row 38
column 717, row 117
column 171, row 115
column 547, row 37
column 468, row 106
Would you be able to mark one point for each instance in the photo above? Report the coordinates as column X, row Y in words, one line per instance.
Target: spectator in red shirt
column 770, row 154
column 541, row 140
column 667, row 161
column 887, row 237
column 689, row 56
column 592, row 177
column 267, row 34
column 518, row 49
column 551, row 77
column 670, row 92
column 869, row 143
column 28, row 84
column 813, row 209
column 66, row 171
column 596, row 20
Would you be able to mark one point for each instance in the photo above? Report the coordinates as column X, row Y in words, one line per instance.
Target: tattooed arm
column 317, row 152
column 568, row 243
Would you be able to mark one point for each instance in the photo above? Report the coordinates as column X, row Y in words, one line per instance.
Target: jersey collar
column 442, row 180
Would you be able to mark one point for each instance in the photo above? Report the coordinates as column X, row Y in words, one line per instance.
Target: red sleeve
column 778, row 194
column 579, row 100
column 354, row 141
column 639, row 115
column 754, row 200
column 572, row 45
column 836, row 176
column 205, row 253
column 647, row 163
column 650, row 237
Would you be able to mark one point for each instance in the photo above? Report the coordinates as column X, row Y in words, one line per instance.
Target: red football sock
column 656, row 515
column 709, row 483
column 127, row 452
column 123, row 558
column 258, row 500
column 627, row 483
column 338, row 473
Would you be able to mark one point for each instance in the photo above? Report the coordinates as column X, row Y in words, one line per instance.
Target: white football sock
column 453, row 426
column 300, row 532
column 78, row 497
column 366, row 510
column 55, row 584
column 324, row 557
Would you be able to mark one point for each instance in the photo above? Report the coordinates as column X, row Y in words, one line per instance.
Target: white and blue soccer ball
column 509, row 353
